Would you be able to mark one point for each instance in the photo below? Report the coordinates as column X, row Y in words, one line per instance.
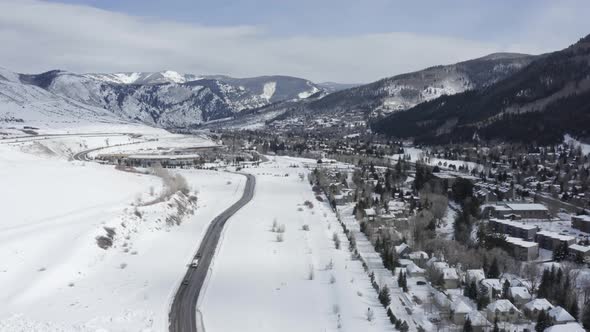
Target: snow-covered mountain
column 24, row 104
column 167, row 76
column 407, row 90
column 388, row 95
column 169, row 99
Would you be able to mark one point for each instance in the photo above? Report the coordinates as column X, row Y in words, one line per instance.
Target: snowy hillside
column 28, row 105
column 168, row 99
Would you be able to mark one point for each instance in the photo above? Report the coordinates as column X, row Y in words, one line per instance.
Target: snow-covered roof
column 476, row 275
column 521, row 292
column 413, row 268
column 440, row 265
column 418, row 255
column 526, row 207
column 399, row 249
column 568, row 327
column 559, row 314
column 492, row 283
column 539, row 304
column 501, row 305
column 557, row 236
column 477, row 319
column 516, row 224
column 450, row 273
column 580, row 248
column 370, row 212
column 460, row 307
column 520, row 242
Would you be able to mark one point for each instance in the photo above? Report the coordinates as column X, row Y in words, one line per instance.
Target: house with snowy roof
column 415, row 271
column 503, row 310
column 418, row 257
column 491, row 286
column 402, row 250
column 474, row 275
column 559, row 315
column 578, row 253
column 459, row 311
column 533, row 308
column 519, row 295
column 450, row 278
column 479, row 322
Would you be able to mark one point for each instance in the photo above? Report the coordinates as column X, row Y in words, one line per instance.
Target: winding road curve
column 184, row 308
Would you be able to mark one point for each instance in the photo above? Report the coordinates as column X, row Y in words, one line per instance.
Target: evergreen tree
column 574, row 309
column 542, row 322
column 505, row 289
column 467, row 326
column 384, row 296
column 494, row 271
column 496, row 328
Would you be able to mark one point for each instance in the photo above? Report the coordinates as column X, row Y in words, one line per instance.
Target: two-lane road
column 183, row 311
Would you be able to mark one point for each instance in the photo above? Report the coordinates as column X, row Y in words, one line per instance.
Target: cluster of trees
column 557, row 287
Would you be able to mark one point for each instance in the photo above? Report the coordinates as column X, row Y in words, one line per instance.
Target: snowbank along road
column 183, row 310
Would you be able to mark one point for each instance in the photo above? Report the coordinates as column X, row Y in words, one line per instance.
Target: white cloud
column 38, row 36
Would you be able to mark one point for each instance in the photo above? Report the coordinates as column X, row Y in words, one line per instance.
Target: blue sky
column 338, row 40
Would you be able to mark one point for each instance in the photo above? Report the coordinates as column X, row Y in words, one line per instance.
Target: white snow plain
column 259, row 283
column 56, row 278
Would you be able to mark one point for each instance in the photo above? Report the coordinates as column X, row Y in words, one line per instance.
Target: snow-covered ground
column 259, row 283
column 55, row 276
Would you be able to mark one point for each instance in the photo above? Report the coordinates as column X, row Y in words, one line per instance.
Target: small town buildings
column 418, row 257
column 516, row 211
column 523, row 250
column 450, row 278
column 534, row 307
column 578, row 252
column 459, row 311
column 581, row 222
column 559, row 315
column 551, row 240
column 519, row 295
column 479, row 323
column 503, row 310
column 514, row 228
column 474, row 275
column 402, row 250
column 370, row 214
column 492, row 287
column 414, row 271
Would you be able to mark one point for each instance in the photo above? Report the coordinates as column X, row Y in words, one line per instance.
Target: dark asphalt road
column 183, row 311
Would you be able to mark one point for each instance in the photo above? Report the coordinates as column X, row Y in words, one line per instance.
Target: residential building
column 514, row 228
column 551, row 240
column 581, row 222
column 503, row 310
column 534, row 307
column 523, row 250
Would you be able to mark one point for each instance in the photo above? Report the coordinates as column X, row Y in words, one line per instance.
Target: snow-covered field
column 54, row 275
column 259, row 283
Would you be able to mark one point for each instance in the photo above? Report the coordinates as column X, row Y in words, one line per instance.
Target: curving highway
column 184, row 307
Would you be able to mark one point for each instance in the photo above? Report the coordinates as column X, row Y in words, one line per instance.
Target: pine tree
column 494, row 271
column 542, row 322
column 467, row 326
column 384, row 296
column 505, row 289
column 496, row 328
column 574, row 309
